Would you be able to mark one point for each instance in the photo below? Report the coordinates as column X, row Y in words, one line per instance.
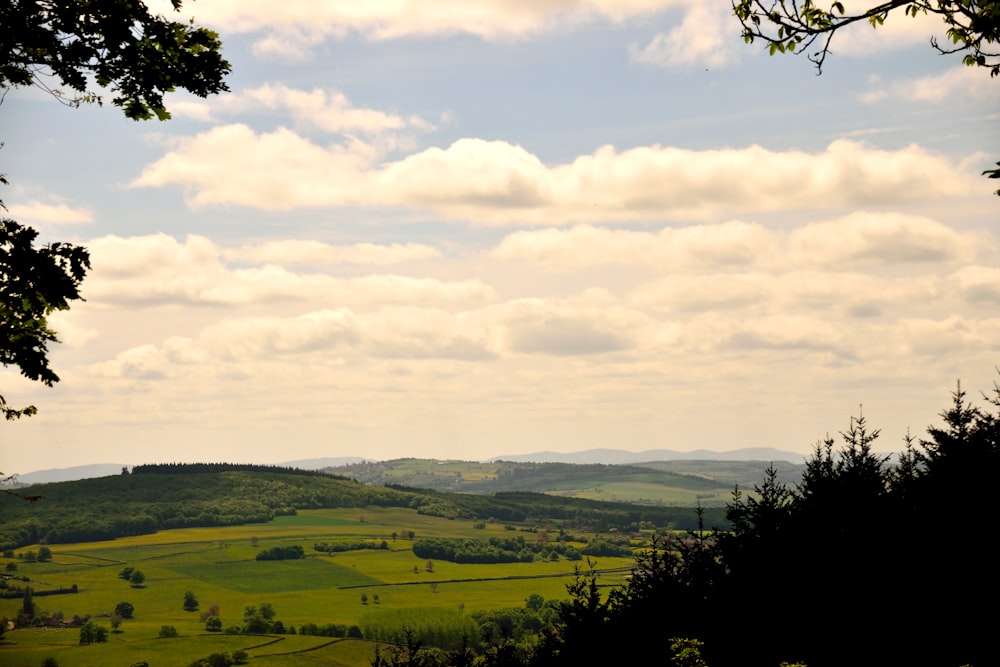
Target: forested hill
column 682, row 482
column 155, row 498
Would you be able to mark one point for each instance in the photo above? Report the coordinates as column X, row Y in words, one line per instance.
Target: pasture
column 218, row 565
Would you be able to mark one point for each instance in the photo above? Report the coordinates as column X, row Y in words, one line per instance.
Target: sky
column 461, row 230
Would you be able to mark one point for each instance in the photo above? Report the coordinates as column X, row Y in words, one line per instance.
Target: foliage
column 121, row 45
column 973, row 26
column 845, row 538
column 34, row 282
column 167, row 631
column 686, row 653
column 27, row 603
column 259, row 620
column 125, row 609
column 137, row 578
column 146, row 501
column 92, row 633
column 292, row 552
column 190, row 601
column 467, row 550
column 447, row 629
column 341, row 547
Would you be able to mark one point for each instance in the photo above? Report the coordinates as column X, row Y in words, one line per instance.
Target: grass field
column 218, row 565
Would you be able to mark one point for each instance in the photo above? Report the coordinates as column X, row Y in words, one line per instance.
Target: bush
column 167, row 631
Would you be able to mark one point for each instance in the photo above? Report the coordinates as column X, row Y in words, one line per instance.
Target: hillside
column 681, row 483
column 154, row 498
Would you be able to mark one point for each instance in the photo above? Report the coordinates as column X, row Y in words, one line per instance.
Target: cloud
column 899, row 31
column 275, row 170
column 157, row 269
column 979, row 284
column 838, row 295
column 497, row 183
column 865, row 238
column 326, row 110
column 728, row 244
column 316, row 253
column 970, row 83
column 36, row 212
column 708, row 36
column 858, row 239
column 291, row 28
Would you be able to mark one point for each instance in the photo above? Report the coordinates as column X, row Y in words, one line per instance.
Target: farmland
column 363, row 588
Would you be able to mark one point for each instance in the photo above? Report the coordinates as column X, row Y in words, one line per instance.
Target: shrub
column 167, row 631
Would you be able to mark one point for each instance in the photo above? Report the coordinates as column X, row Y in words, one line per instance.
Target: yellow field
column 218, row 566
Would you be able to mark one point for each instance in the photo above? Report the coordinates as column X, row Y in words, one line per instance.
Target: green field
column 218, row 565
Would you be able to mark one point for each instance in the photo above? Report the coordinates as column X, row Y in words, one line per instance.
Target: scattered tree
column 167, row 631
column 213, row 610
column 116, row 622
column 124, row 609
column 213, row 624
column 190, row 602
column 28, row 603
column 92, row 633
column 137, row 578
column 44, row 554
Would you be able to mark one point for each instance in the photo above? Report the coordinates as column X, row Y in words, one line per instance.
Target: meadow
column 218, row 565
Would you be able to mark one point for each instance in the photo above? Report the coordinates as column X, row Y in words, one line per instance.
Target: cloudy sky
column 461, row 230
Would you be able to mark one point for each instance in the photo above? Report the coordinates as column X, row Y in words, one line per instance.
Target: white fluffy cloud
column 36, row 212
column 293, row 25
column 968, row 83
column 158, row 269
column 858, row 239
column 317, row 253
column 326, row 110
column 707, row 36
column 495, row 183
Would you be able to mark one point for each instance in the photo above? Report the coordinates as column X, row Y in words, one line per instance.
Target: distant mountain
column 70, row 474
column 623, row 457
